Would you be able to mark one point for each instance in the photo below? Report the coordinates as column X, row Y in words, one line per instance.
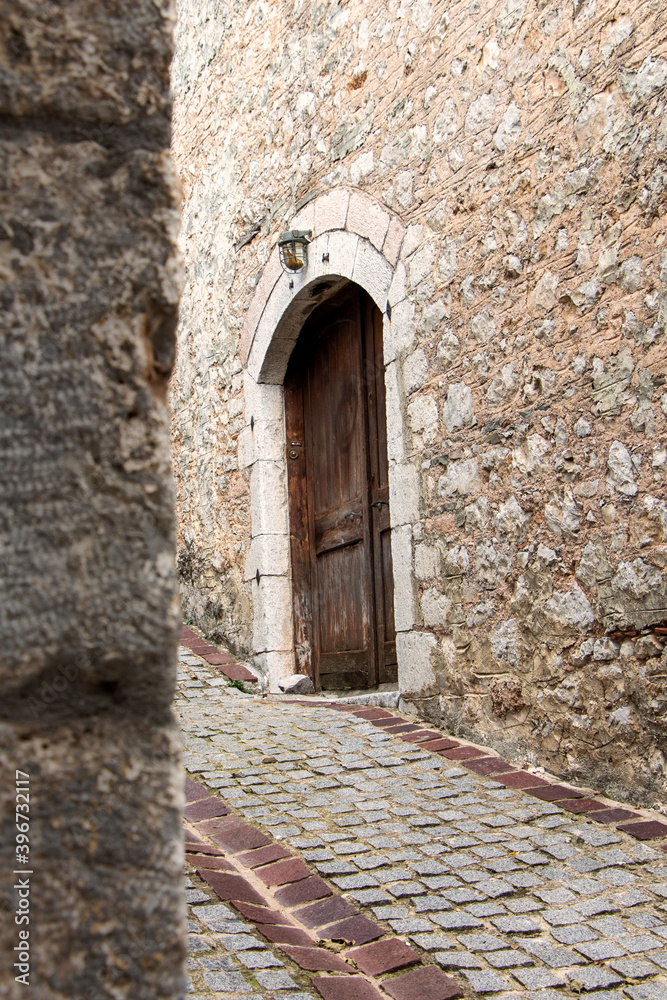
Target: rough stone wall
column 522, row 144
column 88, row 610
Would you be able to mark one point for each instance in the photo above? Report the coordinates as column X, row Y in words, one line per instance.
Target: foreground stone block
column 88, row 619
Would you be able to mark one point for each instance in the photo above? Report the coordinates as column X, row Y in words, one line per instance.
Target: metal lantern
column 293, row 247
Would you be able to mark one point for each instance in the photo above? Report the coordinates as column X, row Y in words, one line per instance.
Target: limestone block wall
column 519, row 148
column 89, row 280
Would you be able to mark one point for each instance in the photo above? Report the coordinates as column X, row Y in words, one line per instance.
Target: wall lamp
column 293, row 247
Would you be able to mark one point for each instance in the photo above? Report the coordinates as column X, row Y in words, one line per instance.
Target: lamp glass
column 293, row 249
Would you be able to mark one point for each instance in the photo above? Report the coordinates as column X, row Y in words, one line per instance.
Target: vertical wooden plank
column 379, row 493
column 380, row 397
column 364, row 471
column 298, row 521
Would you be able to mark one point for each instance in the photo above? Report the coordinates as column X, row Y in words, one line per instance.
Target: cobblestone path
column 377, row 868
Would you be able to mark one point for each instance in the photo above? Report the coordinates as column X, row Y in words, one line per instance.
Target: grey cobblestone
column 487, row 982
column 574, row 934
column 634, row 968
column 432, row 904
column 259, row 959
column 534, row 979
column 524, row 905
column 591, row 907
column 516, row 925
column 232, row 982
column 556, row 958
column 241, row 942
column 647, row 991
column 591, row 977
column 391, row 912
column 609, row 926
column 510, row 958
column 220, row 963
column 641, row 943
column 433, row 941
column 457, row 960
column 597, row 951
column 454, row 921
column 484, row 909
column 410, row 925
column 481, row 942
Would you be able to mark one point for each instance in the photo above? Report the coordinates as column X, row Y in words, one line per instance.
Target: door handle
column 379, row 504
column 353, row 513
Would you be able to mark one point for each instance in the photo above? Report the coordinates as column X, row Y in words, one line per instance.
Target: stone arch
column 354, row 240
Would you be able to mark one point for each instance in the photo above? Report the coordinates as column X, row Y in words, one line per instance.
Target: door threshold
column 381, row 696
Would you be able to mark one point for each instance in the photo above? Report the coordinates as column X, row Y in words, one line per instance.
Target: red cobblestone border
column 300, row 913
column 225, row 663
column 481, row 762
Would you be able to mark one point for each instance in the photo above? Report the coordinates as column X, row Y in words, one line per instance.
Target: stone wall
column 88, row 611
column 520, row 148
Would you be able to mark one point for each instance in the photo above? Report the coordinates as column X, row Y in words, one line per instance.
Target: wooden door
column 339, row 497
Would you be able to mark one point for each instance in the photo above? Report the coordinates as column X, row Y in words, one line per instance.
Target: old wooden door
column 339, row 497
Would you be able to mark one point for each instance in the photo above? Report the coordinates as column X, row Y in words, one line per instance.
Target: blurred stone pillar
column 89, row 285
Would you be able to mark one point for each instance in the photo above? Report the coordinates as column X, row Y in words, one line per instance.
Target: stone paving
column 482, row 886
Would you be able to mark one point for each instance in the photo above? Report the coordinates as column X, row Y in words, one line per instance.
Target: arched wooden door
column 339, row 497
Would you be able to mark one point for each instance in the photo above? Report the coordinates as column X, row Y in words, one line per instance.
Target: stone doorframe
column 354, row 239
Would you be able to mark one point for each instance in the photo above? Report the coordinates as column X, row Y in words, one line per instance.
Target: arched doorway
column 338, row 484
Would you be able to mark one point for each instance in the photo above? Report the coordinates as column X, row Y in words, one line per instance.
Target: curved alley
column 340, row 852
